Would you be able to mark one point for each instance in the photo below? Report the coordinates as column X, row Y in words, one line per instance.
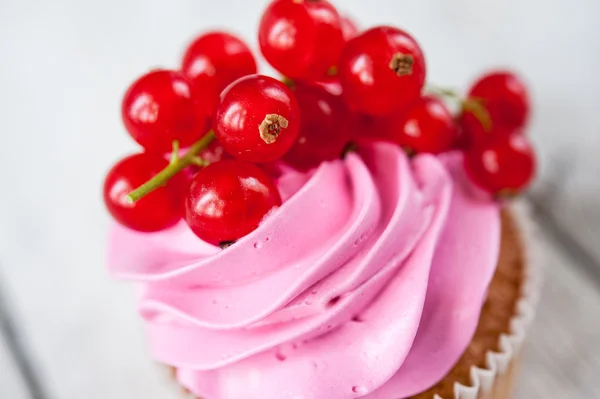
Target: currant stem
column 199, row 161
column 177, row 165
column 444, row 92
column 288, row 82
column 472, row 105
column 175, row 153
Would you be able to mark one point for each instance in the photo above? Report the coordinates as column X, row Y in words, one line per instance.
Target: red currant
column 160, row 209
column 330, row 84
column 301, row 38
column 504, row 96
column 321, row 135
column 161, row 107
column 214, row 60
column 474, row 135
column 214, row 152
column 503, row 165
column 258, row 119
column 359, row 127
column 382, row 71
column 428, row 126
column 228, row 199
column 349, row 28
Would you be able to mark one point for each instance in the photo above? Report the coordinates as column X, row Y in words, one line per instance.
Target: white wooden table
column 67, row 331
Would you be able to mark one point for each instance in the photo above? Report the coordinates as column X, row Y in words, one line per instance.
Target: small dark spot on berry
column 274, row 129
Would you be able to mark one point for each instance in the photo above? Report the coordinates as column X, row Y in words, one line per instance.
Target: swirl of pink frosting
column 367, row 282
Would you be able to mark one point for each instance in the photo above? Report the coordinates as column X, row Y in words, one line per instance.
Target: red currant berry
column 382, row 71
column 214, row 60
column 331, row 84
column 301, row 38
column 228, row 199
column 472, row 133
column 161, row 107
column 428, row 126
column 214, row 152
column 349, row 28
column 258, row 119
column 503, row 165
column 160, row 209
column 321, row 137
column 504, row 96
column 359, row 127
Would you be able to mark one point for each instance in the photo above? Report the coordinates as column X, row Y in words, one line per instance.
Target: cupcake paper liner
column 485, row 381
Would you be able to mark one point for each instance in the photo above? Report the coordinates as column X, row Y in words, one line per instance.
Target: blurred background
column 67, row 331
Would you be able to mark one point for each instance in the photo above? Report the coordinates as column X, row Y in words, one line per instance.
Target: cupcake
column 273, row 267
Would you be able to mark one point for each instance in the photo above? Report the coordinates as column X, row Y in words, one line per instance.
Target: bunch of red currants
column 209, row 129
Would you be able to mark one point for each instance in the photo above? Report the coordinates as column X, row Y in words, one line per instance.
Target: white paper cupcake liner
column 483, row 380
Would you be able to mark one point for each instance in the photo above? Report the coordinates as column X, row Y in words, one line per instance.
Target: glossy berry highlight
column 214, row 152
column 159, row 210
column 331, row 84
column 382, row 71
column 162, row 106
column 214, row 60
column 504, row 165
column 258, row 119
column 301, row 38
column 349, row 28
column 427, row 127
column 228, row 200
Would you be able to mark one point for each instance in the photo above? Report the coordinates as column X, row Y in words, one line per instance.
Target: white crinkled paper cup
column 496, row 380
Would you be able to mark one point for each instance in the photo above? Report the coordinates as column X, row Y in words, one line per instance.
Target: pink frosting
column 367, row 282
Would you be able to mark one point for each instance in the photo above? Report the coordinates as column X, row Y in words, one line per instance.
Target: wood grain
column 562, row 357
column 12, row 385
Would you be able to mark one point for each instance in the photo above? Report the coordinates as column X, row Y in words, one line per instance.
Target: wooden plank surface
column 562, row 356
column 12, row 385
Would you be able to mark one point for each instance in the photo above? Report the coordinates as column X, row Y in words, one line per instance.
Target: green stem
column 198, row 161
column 288, row 82
column 444, row 92
column 175, row 153
column 177, row 165
column 478, row 109
column 473, row 105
